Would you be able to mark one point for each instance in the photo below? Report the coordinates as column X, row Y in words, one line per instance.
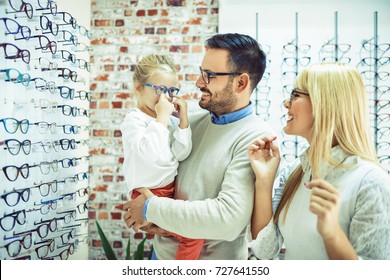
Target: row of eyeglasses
column 50, row 46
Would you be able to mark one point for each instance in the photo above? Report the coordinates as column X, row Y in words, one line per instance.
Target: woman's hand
column 264, row 157
column 325, row 203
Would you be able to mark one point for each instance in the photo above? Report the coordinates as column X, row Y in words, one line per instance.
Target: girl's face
column 300, row 115
column 148, row 95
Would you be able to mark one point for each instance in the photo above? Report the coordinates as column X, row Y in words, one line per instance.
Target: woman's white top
column 364, row 212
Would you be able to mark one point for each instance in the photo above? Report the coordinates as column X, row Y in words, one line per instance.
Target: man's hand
column 133, row 216
column 153, row 229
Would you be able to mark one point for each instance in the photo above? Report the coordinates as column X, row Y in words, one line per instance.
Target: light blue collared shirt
column 232, row 117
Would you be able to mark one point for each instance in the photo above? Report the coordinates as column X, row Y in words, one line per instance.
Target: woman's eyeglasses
column 295, row 93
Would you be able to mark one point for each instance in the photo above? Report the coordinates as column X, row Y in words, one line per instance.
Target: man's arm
column 223, row 217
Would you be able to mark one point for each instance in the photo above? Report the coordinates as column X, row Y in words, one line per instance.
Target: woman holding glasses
column 334, row 201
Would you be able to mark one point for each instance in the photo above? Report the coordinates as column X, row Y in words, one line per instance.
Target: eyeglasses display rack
column 372, row 59
column 44, row 131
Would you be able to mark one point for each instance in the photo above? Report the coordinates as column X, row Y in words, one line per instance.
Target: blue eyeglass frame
column 172, row 91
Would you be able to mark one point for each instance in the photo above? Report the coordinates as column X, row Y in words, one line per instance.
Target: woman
column 335, row 203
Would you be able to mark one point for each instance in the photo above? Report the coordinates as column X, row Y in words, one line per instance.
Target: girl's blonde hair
column 340, row 112
column 150, row 64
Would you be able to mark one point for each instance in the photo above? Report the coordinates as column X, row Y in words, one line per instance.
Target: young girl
column 153, row 141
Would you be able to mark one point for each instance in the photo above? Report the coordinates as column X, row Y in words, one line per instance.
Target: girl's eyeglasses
column 161, row 89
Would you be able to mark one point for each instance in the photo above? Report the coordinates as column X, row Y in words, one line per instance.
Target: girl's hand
column 264, row 157
column 163, row 109
column 325, row 203
column 182, row 109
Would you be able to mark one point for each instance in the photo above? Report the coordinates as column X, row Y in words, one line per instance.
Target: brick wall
column 123, row 32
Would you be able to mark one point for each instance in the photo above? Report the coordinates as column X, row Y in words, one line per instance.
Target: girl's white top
column 151, row 151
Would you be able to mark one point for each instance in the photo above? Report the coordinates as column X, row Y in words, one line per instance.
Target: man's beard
column 224, row 104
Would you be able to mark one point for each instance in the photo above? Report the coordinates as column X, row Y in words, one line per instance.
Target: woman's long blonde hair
column 340, row 112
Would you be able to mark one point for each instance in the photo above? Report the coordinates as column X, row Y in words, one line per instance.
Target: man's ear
column 243, row 83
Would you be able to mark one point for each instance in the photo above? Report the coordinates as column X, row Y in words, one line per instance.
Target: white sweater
column 364, row 212
column 214, row 190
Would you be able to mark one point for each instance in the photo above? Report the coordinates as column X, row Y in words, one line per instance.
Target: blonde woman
column 334, row 202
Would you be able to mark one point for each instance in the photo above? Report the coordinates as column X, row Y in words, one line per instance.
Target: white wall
column 81, row 10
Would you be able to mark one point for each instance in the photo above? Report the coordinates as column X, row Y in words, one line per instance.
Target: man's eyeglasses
column 160, row 89
column 295, row 93
column 206, row 75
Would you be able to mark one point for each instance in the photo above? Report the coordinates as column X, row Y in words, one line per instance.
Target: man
column 214, row 189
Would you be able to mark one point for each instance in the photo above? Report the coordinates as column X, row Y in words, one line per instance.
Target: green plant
column 138, row 254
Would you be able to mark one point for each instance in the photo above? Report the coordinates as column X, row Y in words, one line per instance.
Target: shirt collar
column 232, row 117
column 338, row 155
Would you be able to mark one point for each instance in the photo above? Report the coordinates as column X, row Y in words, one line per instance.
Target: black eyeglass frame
column 293, row 95
column 210, row 74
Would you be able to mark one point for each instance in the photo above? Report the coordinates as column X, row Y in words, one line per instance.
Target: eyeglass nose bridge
column 287, row 102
